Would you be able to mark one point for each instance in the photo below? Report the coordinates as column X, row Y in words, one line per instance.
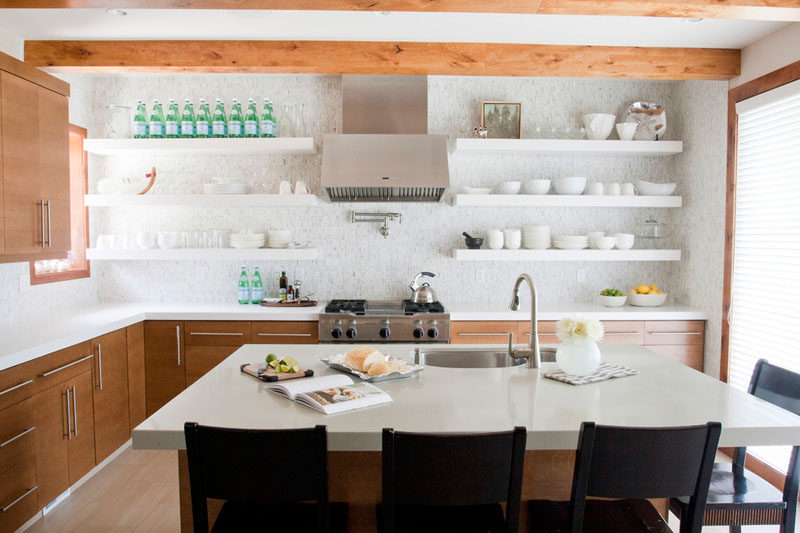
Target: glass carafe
column 118, row 122
column 284, row 124
column 298, row 121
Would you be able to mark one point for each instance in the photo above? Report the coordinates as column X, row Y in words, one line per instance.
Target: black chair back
column 636, row 463
column 257, row 466
column 430, row 469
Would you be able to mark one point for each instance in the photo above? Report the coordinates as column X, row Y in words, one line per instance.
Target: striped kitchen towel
column 604, row 371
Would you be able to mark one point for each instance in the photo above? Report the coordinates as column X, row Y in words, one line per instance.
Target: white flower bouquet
column 578, row 328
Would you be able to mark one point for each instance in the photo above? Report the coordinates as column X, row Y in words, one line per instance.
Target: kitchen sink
column 474, row 358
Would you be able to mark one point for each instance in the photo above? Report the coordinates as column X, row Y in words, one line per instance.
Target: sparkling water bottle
column 187, row 120
column 219, row 123
column 267, row 120
column 251, row 120
column 157, row 121
column 140, row 121
column 244, row 287
column 236, row 120
column 203, row 120
column 257, row 288
column 172, row 127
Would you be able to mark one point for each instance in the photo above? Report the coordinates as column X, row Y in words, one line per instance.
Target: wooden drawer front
column 689, row 355
column 547, row 332
column 64, row 364
column 674, row 332
column 286, row 332
column 482, row 332
column 18, row 499
column 17, row 383
column 619, row 332
column 17, row 434
column 208, row 333
column 201, row 359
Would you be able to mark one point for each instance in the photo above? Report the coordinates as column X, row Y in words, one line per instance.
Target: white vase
column 578, row 357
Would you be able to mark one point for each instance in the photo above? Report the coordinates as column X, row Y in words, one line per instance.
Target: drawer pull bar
column 69, row 418
column 178, row 336
column 238, row 334
column 59, row 369
column 284, row 334
column 49, row 232
column 484, row 334
column 75, row 410
column 15, row 387
column 15, row 502
column 607, row 333
column 12, row 439
column 100, row 365
column 675, row 333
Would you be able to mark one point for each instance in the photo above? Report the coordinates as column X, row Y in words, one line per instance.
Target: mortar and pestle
column 473, row 243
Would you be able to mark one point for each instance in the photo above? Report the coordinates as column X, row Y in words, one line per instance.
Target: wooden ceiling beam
column 349, row 57
column 786, row 10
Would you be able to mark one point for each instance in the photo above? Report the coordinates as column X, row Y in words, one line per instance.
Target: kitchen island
column 664, row 393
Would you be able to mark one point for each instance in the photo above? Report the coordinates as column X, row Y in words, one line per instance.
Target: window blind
column 765, row 289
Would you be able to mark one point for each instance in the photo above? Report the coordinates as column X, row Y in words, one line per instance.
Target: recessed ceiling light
column 117, row 12
column 698, row 19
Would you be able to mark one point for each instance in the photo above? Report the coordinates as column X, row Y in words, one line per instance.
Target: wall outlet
column 580, row 276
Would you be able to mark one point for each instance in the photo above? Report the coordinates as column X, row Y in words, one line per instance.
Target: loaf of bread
column 379, row 368
column 355, row 358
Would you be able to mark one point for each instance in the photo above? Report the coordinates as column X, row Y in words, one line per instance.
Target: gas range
column 382, row 321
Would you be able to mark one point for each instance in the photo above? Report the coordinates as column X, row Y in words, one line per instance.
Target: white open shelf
column 566, row 255
column 200, row 200
column 564, row 200
column 204, row 254
column 211, row 146
column 570, row 146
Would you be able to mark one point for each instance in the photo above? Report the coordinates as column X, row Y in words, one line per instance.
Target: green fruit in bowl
column 612, row 292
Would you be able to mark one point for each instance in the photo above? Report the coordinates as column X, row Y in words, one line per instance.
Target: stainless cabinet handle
column 484, row 334
column 15, row 387
column 15, row 502
column 69, row 418
column 41, row 209
column 541, row 333
column 75, row 410
column 100, row 365
column 283, row 334
column 239, row 334
column 49, row 233
column 12, row 439
column 178, row 335
column 675, row 333
column 59, row 369
column 612, row 333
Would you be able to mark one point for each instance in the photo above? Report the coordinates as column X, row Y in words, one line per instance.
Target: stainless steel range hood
column 385, row 152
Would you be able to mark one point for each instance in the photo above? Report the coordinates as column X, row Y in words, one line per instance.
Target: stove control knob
column 385, row 332
column 336, row 333
column 419, row 333
column 351, row 333
column 433, row 333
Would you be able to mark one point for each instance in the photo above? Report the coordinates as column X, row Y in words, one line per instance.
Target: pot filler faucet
column 532, row 352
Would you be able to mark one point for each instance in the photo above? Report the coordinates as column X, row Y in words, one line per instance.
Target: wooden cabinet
column 18, row 495
column 165, row 362
column 286, row 332
column 483, row 332
column 209, row 343
column 54, row 168
column 137, row 407
column 681, row 340
column 111, row 418
column 547, row 332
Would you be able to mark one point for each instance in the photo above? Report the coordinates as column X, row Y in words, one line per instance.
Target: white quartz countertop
column 664, row 393
column 52, row 331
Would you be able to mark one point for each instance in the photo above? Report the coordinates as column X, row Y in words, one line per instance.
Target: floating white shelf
column 571, row 146
column 204, row 254
column 564, row 200
column 566, row 255
column 200, row 200
column 211, row 146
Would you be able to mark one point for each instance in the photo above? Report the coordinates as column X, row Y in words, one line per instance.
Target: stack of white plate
column 247, row 240
column 224, row 188
column 536, row 237
column 570, row 242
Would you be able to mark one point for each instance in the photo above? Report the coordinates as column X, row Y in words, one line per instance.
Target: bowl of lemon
column 647, row 296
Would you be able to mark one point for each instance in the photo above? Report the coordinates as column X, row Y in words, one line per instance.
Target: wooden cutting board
column 270, row 375
column 304, row 303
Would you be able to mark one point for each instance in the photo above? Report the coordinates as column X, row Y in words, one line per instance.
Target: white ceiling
column 93, row 24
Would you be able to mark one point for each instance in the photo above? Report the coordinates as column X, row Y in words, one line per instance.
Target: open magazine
column 331, row 394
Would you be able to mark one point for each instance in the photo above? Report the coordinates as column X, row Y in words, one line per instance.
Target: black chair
column 451, row 482
column 738, row 497
column 630, row 464
column 251, row 468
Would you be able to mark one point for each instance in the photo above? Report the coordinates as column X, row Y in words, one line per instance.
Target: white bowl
column 624, row 241
column 612, row 301
column 146, row 240
column 507, row 187
column 604, row 243
column 279, row 237
column 598, row 125
column 169, row 239
column 571, row 185
column 647, row 188
column 476, row 190
column 536, row 187
column 626, row 130
column 647, row 300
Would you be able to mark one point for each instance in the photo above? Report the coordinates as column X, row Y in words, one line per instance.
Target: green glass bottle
column 172, row 122
column 203, row 120
column 157, row 121
column 219, row 122
column 236, row 120
column 267, row 120
column 188, row 129
column 256, row 288
column 251, row 120
column 244, row 287
column 140, row 121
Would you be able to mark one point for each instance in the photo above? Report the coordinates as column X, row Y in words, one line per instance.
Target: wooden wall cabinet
column 111, row 418
column 164, row 361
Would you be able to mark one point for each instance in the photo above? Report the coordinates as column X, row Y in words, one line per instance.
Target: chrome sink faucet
column 532, row 352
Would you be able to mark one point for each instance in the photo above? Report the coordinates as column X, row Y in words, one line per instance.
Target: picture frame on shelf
column 503, row 120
